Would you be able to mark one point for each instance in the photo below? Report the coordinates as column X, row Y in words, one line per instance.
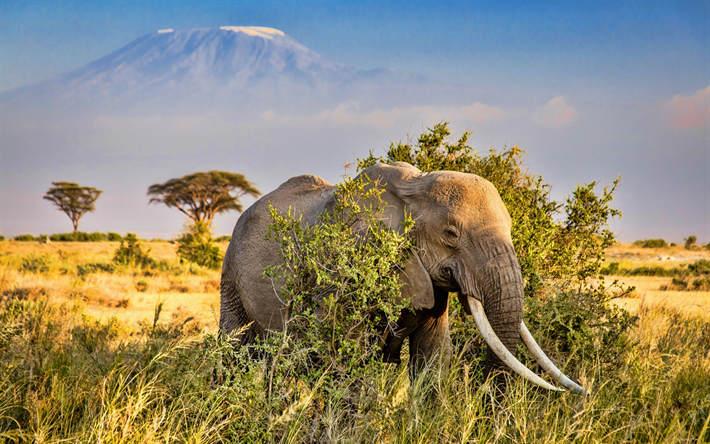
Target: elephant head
column 464, row 246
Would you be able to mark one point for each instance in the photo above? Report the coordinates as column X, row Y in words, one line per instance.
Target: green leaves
column 560, row 245
column 553, row 240
column 581, row 327
column 196, row 245
column 341, row 283
column 130, row 253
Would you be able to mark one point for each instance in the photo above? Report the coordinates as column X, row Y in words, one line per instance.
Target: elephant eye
column 452, row 232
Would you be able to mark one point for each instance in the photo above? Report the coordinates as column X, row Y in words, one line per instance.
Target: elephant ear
column 416, row 284
column 396, row 178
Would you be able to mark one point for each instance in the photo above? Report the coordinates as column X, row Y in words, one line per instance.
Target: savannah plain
column 131, row 354
column 192, row 293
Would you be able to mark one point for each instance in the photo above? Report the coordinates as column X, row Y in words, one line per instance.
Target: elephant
column 462, row 233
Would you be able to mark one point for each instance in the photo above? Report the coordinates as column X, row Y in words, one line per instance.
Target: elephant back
column 246, row 296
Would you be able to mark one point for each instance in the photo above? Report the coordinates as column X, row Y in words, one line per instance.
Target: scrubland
column 130, row 295
column 132, row 355
column 658, row 291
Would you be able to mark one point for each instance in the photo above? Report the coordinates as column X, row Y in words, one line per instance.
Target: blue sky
column 590, row 89
column 633, row 48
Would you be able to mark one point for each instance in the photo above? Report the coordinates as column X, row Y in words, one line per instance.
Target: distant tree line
column 689, row 243
column 199, row 196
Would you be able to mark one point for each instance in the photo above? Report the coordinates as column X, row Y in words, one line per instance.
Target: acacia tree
column 200, row 196
column 73, row 199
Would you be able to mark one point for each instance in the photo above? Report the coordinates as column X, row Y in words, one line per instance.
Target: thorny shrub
column 196, row 246
column 340, row 280
column 553, row 240
column 560, row 245
column 131, row 253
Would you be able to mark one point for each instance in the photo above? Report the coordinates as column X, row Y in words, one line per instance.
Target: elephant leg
column 393, row 340
column 431, row 340
column 233, row 316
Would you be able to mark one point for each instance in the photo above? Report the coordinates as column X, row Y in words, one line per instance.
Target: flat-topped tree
column 73, row 199
column 200, row 196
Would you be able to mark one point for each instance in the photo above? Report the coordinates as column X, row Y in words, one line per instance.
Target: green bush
column 612, row 269
column 651, row 243
column 130, row 253
column 2, row 238
column 25, row 238
column 701, row 284
column 223, row 238
column 553, row 240
column 38, row 264
column 581, row 327
column 114, row 237
column 141, row 286
column 560, row 243
column 90, row 268
column 337, row 312
column 699, row 267
column 653, row 271
column 685, row 284
column 79, row 236
column 679, row 283
column 690, row 242
column 196, row 245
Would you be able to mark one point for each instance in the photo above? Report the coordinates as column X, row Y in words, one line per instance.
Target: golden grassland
column 648, row 293
column 104, row 295
column 649, row 288
column 88, row 358
column 196, row 295
column 630, row 255
column 620, row 248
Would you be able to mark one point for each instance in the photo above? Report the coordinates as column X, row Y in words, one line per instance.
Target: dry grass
column 68, row 377
column 107, row 295
column 648, row 294
column 640, row 257
column 648, row 288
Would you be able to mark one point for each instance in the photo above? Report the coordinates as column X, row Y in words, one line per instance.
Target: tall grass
column 65, row 377
column 68, row 377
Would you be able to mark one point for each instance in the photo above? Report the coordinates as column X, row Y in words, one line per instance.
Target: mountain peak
column 210, row 68
column 254, row 31
column 257, row 31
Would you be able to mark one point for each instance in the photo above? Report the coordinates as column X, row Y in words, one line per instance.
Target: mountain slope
column 232, row 67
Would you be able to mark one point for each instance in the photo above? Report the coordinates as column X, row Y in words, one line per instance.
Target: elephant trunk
column 502, row 293
column 501, row 324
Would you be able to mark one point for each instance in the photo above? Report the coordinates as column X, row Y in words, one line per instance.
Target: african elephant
column 463, row 245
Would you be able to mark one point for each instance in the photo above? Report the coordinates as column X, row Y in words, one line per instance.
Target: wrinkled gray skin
column 462, row 233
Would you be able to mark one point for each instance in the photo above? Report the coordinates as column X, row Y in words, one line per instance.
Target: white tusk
column 546, row 364
column 479, row 316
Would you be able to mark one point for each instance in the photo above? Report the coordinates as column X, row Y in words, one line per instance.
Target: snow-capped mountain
column 212, row 68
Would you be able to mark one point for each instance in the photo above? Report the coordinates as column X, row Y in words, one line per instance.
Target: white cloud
column 556, row 113
column 685, row 112
column 350, row 113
